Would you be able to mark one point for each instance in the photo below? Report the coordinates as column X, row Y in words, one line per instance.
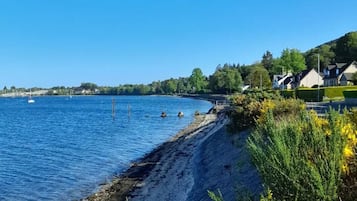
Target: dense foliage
column 268, row 62
column 247, row 107
column 346, row 48
column 299, row 155
column 198, row 80
column 326, row 54
column 226, row 79
column 350, row 94
column 292, row 60
column 342, row 50
column 325, row 93
column 306, row 157
column 258, row 77
column 310, row 95
column 337, row 91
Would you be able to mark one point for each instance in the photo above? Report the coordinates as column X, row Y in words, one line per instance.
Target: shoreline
column 169, row 156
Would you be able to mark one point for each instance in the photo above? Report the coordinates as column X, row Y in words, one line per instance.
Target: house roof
column 278, row 77
column 347, row 76
column 341, row 66
column 331, row 66
column 288, row 80
column 302, row 74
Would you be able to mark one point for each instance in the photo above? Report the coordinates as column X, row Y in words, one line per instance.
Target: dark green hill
column 342, row 50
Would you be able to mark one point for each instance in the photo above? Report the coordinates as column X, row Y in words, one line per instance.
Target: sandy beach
column 201, row 157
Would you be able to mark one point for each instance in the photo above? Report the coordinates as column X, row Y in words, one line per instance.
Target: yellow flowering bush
column 348, row 152
column 268, row 196
column 304, row 156
column 319, row 122
column 266, row 106
column 300, row 155
column 345, row 125
column 352, row 115
column 280, row 108
column 348, row 189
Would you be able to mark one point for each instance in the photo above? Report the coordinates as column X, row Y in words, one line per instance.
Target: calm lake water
column 62, row 148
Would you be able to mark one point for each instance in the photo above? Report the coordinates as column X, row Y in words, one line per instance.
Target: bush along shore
column 299, row 155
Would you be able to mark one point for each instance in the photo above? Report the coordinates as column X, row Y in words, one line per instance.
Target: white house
column 334, row 72
column 278, row 81
column 306, row 78
column 346, row 79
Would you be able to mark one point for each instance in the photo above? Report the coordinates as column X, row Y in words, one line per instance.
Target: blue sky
column 47, row 43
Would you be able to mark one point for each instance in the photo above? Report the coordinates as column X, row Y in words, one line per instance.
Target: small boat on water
column 30, row 100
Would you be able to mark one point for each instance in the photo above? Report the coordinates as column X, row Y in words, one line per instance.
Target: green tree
column 244, row 70
column 170, row 86
column 278, row 68
column 326, row 53
column 198, row 80
column 88, row 86
column 183, row 85
column 258, row 77
column 129, row 89
column 292, row 60
column 267, row 62
column 226, row 80
column 346, row 48
column 4, row 89
column 142, row 89
column 156, row 87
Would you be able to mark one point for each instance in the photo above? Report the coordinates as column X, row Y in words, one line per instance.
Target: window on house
column 337, row 71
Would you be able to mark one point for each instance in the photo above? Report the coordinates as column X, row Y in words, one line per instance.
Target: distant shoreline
column 25, row 94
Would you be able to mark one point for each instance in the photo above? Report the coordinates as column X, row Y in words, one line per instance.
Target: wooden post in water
column 113, row 108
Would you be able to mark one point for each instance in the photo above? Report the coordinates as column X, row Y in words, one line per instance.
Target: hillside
column 342, row 50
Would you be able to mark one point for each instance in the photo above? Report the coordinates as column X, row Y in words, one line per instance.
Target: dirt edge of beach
column 122, row 186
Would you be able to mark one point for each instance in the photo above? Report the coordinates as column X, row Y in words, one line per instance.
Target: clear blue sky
column 47, row 43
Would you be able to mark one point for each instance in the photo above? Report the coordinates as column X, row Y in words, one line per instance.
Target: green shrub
column 288, row 93
column 350, row 93
column 297, row 159
column 247, row 108
column 337, row 91
column 215, row 197
column 310, row 95
column 261, row 95
column 348, row 189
